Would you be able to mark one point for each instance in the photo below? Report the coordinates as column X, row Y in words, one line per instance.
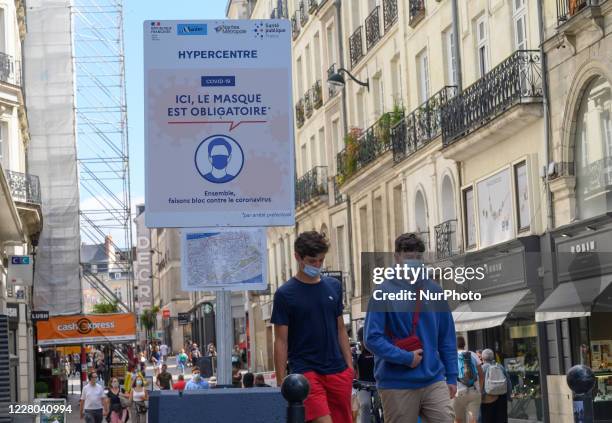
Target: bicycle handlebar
column 363, row 385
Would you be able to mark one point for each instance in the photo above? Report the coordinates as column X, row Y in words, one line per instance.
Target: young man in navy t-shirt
column 309, row 332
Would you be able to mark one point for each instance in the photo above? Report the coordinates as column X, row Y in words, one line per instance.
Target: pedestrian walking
column 163, row 349
column 143, row 363
column 497, row 386
column 365, row 373
column 156, row 358
column 211, row 351
column 164, row 379
column 195, row 354
column 92, row 407
column 181, row 361
column 196, row 381
column 310, row 333
column 179, row 385
column 118, row 413
column 414, row 345
column 469, row 384
column 138, row 396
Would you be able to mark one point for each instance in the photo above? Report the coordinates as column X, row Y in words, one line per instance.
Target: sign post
column 219, row 150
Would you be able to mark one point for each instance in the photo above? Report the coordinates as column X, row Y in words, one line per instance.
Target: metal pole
column 223, row 324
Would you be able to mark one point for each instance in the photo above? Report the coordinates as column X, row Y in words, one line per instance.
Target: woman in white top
column 138, row 396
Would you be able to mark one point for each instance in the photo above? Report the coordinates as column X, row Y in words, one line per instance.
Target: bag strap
column 415, row 318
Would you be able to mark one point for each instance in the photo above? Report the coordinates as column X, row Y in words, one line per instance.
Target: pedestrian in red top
column 179, row 385
column 310, row 334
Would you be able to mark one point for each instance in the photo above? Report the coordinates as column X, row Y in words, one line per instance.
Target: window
column 340, row 249
column 117, row 292
column 593, row 155
column 94, row 268
column 449, row 57
column 360, row 109
column 117, row 276
column 470, row 221
column 522, row 196
column 398, row 221
column 338, row 140
column 304, row 154
column 482, row 45
column 322, row 147
column 396, row 80
column 317, row 57
column 377, row 211
column 308, row 65
column 314, row 157
column 423, row 75
column 378, row 95
column 519, row 17
column 300, row 78
column 331, row 45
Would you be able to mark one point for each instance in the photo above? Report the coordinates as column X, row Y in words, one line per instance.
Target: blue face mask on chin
column 312, row 271
column 220, row 162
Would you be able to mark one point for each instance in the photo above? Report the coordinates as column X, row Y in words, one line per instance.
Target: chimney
column 109, row 249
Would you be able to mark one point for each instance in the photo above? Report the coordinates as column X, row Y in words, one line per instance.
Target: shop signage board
column 81, row 329
column 184, row 318
column 39, row 316
column 223, row 259
column 219, row 123
column 20, row 270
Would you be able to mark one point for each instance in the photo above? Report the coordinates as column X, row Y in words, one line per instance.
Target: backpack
column 467, row 370
column 495, row 380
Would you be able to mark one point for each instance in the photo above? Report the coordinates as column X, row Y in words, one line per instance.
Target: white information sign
column 20, row 270
column 218, row 123
column 223, row 259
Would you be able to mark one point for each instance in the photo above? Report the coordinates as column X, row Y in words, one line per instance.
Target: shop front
column 504, row 318
column 579, row 308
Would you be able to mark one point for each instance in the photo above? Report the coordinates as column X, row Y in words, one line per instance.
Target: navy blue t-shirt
column 311, row 313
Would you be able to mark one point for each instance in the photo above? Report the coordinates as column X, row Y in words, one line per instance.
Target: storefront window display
column 515, row 344
column 591, row 340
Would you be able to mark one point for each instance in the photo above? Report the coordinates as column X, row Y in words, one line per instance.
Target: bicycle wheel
column 377, row 411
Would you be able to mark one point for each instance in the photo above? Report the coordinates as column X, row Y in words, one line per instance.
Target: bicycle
column 376, row 411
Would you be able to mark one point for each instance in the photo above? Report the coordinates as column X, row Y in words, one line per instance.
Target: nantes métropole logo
column 192, row 29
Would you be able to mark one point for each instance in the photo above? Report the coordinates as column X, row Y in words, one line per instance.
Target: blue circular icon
column 219, row 159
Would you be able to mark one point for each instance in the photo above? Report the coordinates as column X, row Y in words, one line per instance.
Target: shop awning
column 572, row 299
column 480, row 315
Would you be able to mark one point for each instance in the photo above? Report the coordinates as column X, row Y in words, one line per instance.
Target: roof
column 93, row 254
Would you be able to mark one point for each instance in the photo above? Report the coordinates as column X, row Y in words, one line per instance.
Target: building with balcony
column 20, row 211
column 578, row 289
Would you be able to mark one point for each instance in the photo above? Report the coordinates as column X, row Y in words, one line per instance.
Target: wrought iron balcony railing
column 389, row 13
column 568, row 8
column 446, row 239
column 299, row 114
column 338, row 196
column 307, row 104
column 24, row 187
column 417, row 11
column 596, row 177
column 518, row 79
column 364, row 149
column 331, row 89
column 295, row 25
column 356, row 47
column 421, row 126
column 7, row 69
column 311, row 185
column 316, row 93
column 313, row 5
column 372, row 28
column 282, row 10
column 303, row 13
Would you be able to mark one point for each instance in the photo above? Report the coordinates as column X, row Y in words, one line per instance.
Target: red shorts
column 330, row 395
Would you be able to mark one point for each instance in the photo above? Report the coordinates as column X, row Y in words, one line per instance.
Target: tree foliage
column 106, row 307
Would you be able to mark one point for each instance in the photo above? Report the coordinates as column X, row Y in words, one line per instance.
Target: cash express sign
column 65, row 330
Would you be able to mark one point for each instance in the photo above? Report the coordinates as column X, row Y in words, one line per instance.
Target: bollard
column 581, row 381
column 295, row 389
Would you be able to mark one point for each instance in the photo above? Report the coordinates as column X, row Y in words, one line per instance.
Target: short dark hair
column 260, row 378
column 90, row 374
column 311, row 244
column 181, row 377
column 248, row 379
column 194, row 368
column 409, row 243
column 460, row 342
column 221, row 142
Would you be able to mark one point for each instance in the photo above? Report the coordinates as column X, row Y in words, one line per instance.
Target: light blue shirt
column 192, row 385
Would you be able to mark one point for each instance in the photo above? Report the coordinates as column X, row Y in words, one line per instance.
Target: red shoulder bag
column 411, row 342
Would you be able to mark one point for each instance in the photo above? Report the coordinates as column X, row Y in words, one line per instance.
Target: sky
column 134, row 13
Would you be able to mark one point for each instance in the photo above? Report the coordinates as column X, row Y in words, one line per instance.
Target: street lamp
column 337, row 80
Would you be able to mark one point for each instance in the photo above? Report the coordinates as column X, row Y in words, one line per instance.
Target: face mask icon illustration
column 219, row 159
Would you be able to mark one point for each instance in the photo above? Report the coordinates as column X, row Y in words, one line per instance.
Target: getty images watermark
column 411, row 274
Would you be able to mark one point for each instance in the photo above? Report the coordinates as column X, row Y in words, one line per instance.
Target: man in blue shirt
column 422, row 381
column 196, row 381
column 309, row 333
